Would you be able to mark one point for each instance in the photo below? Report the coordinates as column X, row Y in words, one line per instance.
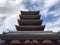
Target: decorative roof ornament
column 30, row 9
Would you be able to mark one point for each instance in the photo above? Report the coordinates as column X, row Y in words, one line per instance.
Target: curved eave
column 30, row 22
column 30, row 28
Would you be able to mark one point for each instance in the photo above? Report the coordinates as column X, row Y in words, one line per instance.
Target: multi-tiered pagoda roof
column 30, row 21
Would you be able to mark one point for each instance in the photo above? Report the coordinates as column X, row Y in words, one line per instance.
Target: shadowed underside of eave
column 29, row 12
column 30, row 22
column 30, row 28
column 30, row 17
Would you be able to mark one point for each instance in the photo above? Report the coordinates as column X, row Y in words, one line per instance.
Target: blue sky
column 10, row 10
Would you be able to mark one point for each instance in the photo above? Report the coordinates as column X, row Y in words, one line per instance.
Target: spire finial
column 30, row 9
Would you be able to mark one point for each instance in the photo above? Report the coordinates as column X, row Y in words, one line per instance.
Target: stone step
column 30, row 22
column 30, row 28
column 30, row 17
column 29, row 12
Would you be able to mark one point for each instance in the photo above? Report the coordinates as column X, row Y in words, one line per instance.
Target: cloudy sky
column 10, row 10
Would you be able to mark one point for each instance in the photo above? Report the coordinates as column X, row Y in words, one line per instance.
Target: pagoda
column 30, row 21
column 30, row 28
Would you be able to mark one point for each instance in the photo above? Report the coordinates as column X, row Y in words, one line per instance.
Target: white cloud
column 57, row 12
column 45, row 12
column 49, row 3
column 18, row 1
column 47, row 6
column 11, row 3
column 11, row 18
column 2, row 3
column 33, row 1
column 53, row 25
column 15, row 2
column 8, row 24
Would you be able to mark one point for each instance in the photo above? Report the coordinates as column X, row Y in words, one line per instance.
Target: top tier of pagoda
column 30, row 21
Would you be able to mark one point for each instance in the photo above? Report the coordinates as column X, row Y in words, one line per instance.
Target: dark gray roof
column 32, row 33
